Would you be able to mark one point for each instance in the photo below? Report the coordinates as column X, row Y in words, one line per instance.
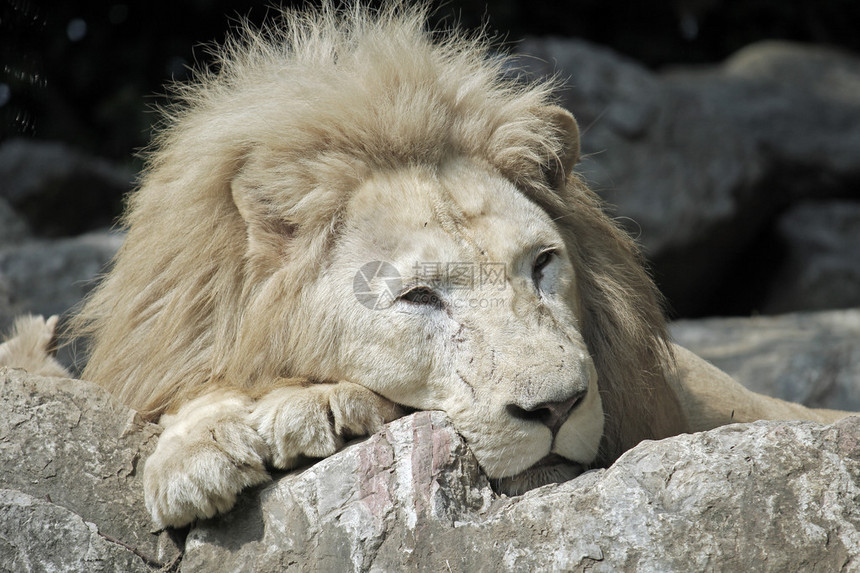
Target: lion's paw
column 314, row 420
column 207, row 454
column 29, row 346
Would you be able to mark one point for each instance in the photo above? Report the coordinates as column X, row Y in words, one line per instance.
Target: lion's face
column 457, row 294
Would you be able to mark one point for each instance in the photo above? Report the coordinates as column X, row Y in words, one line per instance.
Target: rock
column 71, row 493
column 51, row 276
column 60, row 191
column 13, row 229
column 36, row 535
column 801, row 104
column 699, row 162
column 766, row 496
column 373, row 506
column 822, row 258
column 811, row 358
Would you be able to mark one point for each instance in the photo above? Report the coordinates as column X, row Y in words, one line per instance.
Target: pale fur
column 328, row 140
column 316, row 93
column 29, row 347
column 206, row 455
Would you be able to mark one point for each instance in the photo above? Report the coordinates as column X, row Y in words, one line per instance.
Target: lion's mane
column 186, row 305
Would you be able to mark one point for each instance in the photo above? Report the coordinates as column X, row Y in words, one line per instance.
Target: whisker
column 635, row 223
column 594, row 121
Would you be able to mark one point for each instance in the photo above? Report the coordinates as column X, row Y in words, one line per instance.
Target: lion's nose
column 551, row 414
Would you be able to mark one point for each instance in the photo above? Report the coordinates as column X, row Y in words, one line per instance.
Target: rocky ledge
column 766, row 496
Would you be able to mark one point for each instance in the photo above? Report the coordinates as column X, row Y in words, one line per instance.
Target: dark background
column 88, row 74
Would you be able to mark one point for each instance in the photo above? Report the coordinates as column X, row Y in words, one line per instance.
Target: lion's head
column 347, row 198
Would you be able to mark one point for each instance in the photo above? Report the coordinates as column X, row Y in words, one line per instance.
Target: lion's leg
column 207, row 454
column 303, row 420
column 29, row 347
column 216, row 445
column 712, row 398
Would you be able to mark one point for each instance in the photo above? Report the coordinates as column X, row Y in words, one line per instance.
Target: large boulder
column 701, row 162
column 13, row 228
column 59, row 190
column 812, row 358
column 50, row 276
column 55, row 203
column 821, row 268
column 71, row 495
column 766, row 496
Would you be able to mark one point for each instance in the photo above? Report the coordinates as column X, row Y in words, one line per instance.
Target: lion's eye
column 542, row 260
column 420, row 295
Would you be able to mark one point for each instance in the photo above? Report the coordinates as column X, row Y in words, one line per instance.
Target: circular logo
column 376, row 285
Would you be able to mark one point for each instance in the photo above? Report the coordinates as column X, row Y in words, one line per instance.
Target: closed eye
column 541, row 261
column 420, row 295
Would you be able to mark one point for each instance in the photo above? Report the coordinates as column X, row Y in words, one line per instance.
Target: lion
column 348, row 218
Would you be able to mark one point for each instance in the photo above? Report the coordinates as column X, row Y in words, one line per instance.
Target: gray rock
column 680, row 161
column 70, row 466
column 13, row 228
column 36, row 535
column 765, row 497
column 698, row 162
column 822, row 258
column 371, row 507
column 59, row 190
column 801, row 104
column 811, row 358
column 50, row 276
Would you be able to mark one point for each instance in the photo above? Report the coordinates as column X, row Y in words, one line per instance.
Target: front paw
column 207, row 454
column 30, row 346
column 314, row 420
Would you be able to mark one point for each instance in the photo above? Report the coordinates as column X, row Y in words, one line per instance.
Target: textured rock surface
column 812, row 358
column 13, row 228
column 70, row 487
column 50, row 276
column 822, row 257
column 37, row 535
column 60, row 191
column 377, row 503
column 768, row 497
column 765, row 497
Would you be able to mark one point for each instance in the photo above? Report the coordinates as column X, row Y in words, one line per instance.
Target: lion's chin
column 550, row 469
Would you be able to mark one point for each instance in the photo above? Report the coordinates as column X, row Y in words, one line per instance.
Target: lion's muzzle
column 550, row 413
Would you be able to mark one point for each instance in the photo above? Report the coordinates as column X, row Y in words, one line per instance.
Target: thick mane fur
column 624, row 326
column 303, row 111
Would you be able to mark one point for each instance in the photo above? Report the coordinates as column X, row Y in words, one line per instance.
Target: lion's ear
column 568, row 138
column 267, row 230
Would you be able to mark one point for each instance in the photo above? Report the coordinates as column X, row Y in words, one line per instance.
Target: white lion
column 317, row 154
